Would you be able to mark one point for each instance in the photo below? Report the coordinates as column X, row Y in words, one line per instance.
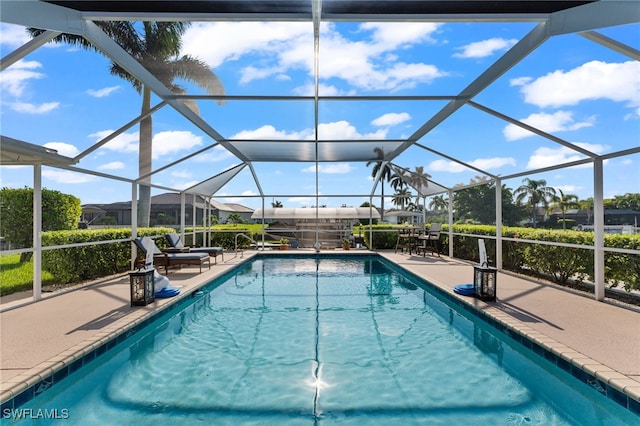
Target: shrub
column 560, row 264
column 59, row 212
column 76, row 264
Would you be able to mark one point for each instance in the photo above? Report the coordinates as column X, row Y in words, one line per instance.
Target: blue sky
column 570, row 87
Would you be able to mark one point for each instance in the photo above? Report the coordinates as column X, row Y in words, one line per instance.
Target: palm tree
column 276, row 204
column 401, row 198
column 420, row 182
column 157, row 48
column 382, row 167
column 565, row 202
column 439, row 203
column 419, row 179
column 537, row 193
column 587, row 205
column 234, row 218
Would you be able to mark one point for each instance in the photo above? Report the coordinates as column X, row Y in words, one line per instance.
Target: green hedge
column 560, row 264
column 384, row 236
column 77, row 264
column 221, row 238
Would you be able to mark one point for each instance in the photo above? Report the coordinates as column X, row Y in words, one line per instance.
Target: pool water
column 302, row 341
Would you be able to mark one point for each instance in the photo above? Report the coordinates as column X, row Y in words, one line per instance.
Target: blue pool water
column 303, row 341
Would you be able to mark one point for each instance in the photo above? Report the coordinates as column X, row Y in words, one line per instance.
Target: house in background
column 223, row 210
column 398, row 217
column 165, row 210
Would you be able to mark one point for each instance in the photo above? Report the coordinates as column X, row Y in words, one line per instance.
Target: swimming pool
column 322, row 340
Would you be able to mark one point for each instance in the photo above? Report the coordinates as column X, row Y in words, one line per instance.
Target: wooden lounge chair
column 166, row 259
column 175, row 242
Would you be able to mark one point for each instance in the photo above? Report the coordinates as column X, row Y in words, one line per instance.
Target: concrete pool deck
column 37, row 339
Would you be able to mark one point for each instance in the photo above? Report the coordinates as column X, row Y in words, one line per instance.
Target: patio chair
column 176, row 244
column 407, row 240
column 429, row 241
column 166, row 259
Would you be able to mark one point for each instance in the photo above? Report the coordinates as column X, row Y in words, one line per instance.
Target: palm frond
column 198, row 72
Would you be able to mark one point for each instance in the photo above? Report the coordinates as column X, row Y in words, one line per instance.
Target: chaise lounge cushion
column 175, row 242
column 165, row 259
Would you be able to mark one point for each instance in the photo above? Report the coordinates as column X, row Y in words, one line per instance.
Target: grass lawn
column 16, row 276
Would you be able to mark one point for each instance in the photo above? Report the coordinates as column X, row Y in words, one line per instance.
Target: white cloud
column 282, row 47
column 330, row 168
column 216, row 154
column 302, row 201
column 627, row 162
column 391, row 119
column 242, row 38
column 392, row 36
column 339, row 130
column 250, row 73
column 171, row 142
column 101, row 93
column 481, row 49
column 569, row 189
column 239, row 200
column 114, row 165
column 269, row 132
column 183, row 174
column 14, row 79
column 556, row 122
column 546, row 157
column 619, row 82
column 65, row 176
column 493, row 163
column 125, row 142
column 481, row 163
column 185, row 185
column 29, row 108
column 63, row 148
column 13, row 35
column 323, row 90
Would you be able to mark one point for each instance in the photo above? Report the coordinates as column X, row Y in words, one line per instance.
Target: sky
column 65, row 98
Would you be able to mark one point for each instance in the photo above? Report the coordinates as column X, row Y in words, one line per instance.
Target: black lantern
column 142, row 287
column 485, row 283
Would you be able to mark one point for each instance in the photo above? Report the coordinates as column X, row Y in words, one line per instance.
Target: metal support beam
column 499, row 224
column 183, row 202
column 592, row 16
column 612, row 44
column 27, row 48
column 450, row 211
column 134, row 219
column 598, row 229
column 37, row 232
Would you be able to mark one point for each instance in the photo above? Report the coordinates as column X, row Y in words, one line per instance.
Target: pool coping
column 623, row 390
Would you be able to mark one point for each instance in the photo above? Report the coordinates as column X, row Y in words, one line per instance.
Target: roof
column 391, row 213
column 330, row 8
column 230, row 207
column 303, row 213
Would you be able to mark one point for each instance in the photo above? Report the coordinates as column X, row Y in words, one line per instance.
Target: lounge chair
column 175, row 242
column 166, row 259
column 429, row 241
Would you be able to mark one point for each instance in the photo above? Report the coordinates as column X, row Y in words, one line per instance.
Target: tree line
column 476, row 204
